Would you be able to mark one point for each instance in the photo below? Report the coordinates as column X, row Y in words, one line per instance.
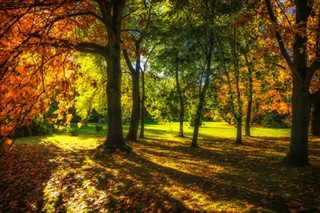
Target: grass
column 62, row 173
column 214, row 129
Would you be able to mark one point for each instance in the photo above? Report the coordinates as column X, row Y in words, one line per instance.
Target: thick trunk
column 298, row 152
column 115, row 138
column 315, row 124
column 239, row 131
column 115, row 134
column 301, row 103
column 142, row 105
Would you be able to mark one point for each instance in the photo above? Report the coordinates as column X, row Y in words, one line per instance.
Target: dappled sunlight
column 72, row 143
column 163, row 174
column 73, row 189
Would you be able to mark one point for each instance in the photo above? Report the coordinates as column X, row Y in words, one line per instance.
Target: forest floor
column 61, row 173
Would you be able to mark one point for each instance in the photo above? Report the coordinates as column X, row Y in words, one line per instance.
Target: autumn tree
column 31, row 74
column 301, row 19
column 59, row 23
column 138, row 27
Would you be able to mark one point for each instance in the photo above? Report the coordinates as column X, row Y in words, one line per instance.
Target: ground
column 62, row 173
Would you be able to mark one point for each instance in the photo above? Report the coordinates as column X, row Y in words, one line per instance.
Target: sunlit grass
column 66, row 142
column 214, row 129
column 163, row 174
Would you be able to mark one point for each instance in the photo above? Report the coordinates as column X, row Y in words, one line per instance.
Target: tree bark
column 115, row 133
column 194, row 143
column 181, row 114
column 239, row 131
column 142, row 103
column 115, row 138
column 250, row 100
column 298, row 151
column 301, row 103
column 248, row 117
column 135, row 112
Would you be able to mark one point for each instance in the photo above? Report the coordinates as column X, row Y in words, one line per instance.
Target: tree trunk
column 142, row 104
column 115, row 133
column 250, row 94
column 203, row 91
column 135, row 75
column 239, row 131
column 115, row 138
column 194, row 143
column 248, row 117
column 181, row 114
column 298, row 151
column 301, row 103
column 135, row 112
column 315, row 124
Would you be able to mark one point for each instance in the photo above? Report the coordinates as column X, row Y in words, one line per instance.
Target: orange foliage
column 32, row 73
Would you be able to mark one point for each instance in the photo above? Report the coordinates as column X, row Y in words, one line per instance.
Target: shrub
column 274, row 119
column 37, row 127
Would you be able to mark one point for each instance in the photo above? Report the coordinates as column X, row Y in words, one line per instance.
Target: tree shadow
column 158, row 176
column 255, row 174
column 24, row 172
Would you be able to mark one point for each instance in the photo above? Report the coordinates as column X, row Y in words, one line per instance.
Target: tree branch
column 86, row 47
column 126, row 57
column 279, row 37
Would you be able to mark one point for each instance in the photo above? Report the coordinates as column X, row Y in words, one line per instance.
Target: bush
column 274, row 119
column 37, row 127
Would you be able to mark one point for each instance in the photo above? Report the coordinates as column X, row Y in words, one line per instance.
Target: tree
column 31, row 75
column 90, row 86
column 303, row 63
column 209, row 37
column 138, row 29
column 63, row 24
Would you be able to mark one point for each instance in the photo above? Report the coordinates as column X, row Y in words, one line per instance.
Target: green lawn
column 214, row 129
column 62, row 173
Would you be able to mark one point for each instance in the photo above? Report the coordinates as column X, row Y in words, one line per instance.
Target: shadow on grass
column 251, row 172
column 158, row 176
column 24, row 172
